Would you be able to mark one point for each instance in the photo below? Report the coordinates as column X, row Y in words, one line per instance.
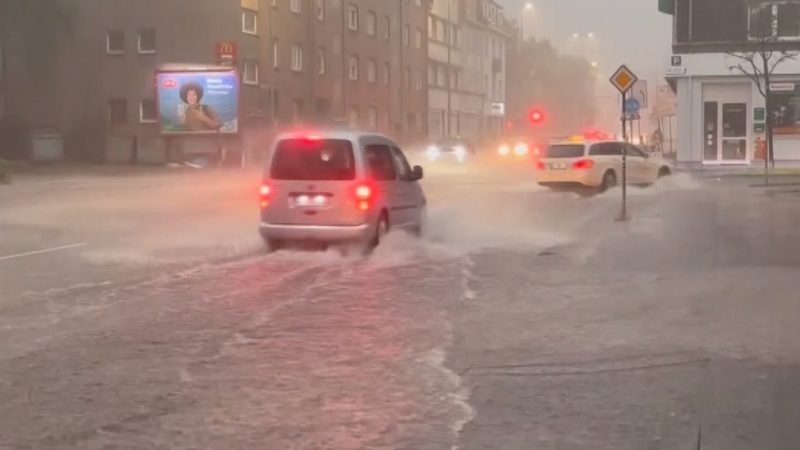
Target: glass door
column 724, row 132
column 733, row 145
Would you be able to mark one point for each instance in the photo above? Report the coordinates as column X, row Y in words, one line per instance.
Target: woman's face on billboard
column 191, row 97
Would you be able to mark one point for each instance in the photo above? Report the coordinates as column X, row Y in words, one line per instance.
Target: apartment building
column 300, row 61
column 466, row 69
column 721, row 112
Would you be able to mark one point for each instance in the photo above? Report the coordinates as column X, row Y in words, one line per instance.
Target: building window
column 431, row 27
column 294, row 6
column 249, row 71
column 387, row 27
column 440, row 31
column 297, row 58
column 297, row 111
column 147, row 111
column 387, row 73
column 418, row 38
column 408, row 77
column 321, row 61
column 372, row 68
column 320, row 9
column 352, row 17
column 372, row 118
column 352, row 71
column 249, row 22
column 406, row 35
column 115, row 42
column 419, row 79
column 117, row 111
column 353, row 118
column 147, row 41
column 778, row 20
column 431, row 74
column 275, row 54
column 441, row 76
column 372, row 22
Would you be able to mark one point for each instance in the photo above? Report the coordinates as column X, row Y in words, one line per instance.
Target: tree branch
column 753, row 73
column 785, row 56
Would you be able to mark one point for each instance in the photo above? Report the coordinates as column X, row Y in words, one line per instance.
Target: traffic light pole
column 623, row 214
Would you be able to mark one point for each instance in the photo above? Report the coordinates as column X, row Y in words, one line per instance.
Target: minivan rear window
column 565, row 151
column 313, row 159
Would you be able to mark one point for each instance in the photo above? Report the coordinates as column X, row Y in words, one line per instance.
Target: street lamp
column 527, row 8
column 590, row 35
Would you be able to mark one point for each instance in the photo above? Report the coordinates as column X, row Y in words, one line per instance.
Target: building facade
column 466, row 71
column 721, row 111
column 300, row 61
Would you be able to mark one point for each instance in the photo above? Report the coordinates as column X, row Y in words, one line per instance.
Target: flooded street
column 154, row 320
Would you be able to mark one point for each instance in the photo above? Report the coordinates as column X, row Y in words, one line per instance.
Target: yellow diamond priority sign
column 623, row 79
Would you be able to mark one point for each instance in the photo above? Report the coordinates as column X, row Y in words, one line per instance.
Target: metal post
column 623, row 214
column 402, row 72
column 448, row 37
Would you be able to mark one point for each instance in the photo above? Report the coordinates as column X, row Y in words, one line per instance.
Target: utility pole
column 402, row 118
column 345, row 72
column 310, row 54
column 448, row 38
column 273, row 73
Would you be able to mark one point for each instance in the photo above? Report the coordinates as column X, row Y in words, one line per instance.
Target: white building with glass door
column 721, row 115
column 721, row 112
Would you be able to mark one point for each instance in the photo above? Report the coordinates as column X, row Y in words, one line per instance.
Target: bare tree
column 758, row 61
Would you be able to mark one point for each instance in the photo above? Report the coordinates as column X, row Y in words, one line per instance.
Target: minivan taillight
column 583, row 164
column 540, row 165
column 364, row 195
column 264, row 194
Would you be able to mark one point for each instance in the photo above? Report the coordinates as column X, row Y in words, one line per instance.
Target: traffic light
column 536, row 117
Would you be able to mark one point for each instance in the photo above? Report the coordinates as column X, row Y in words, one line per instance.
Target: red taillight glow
column 540, row 165
column 264, row 192
column 363, row 197
column 363, row 192
column 583, row 164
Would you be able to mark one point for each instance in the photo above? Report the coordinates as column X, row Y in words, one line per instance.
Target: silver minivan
column 338, row 187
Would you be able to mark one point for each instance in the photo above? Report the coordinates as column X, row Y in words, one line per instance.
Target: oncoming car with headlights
column 518, row 148
column 597, row 165
column 338, row 187
column 449, row 150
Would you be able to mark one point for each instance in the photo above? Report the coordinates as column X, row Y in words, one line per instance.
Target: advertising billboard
column 198, row 102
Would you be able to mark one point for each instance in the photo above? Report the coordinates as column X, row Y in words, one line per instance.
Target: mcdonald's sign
column 227, row 52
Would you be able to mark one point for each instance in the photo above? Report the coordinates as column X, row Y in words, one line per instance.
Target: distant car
column 597, row 165
column 512, row 148
column 338, row 187
column 450, row 150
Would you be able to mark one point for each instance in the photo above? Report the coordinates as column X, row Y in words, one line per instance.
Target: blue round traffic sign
column 632, row 106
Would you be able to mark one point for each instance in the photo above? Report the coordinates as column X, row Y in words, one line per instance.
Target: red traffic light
column 536, row 117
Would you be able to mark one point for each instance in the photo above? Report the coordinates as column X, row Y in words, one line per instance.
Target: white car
column 597, row 165
column 338, row 187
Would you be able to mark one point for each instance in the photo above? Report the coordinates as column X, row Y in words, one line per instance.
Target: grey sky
column 640, row 36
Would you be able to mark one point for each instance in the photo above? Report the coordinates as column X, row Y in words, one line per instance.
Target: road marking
column 47, row 250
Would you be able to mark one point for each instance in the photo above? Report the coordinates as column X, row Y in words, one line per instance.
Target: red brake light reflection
column 264, row 192
column 583, row 164
column 363, row 192
column 540, row 165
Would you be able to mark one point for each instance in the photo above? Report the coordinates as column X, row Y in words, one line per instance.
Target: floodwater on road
column 169, row 328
